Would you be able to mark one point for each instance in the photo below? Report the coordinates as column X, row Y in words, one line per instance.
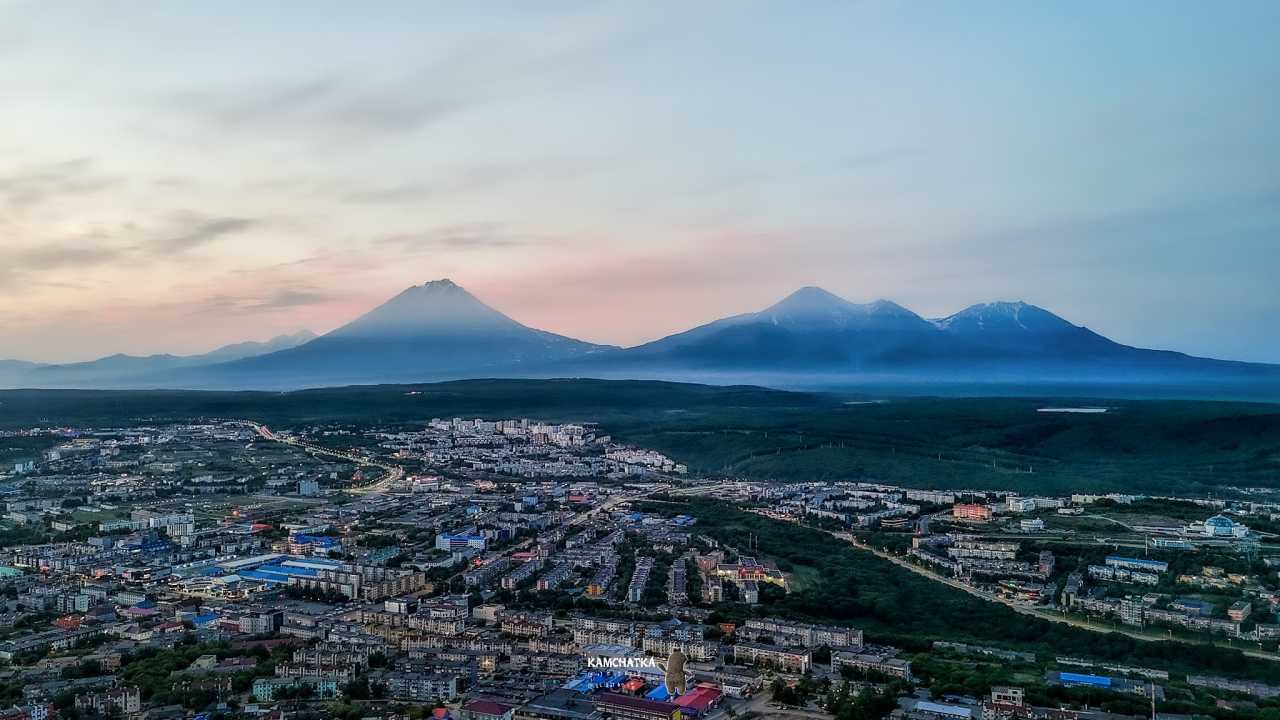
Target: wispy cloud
column 471, row 179
column 36, row 184
column 20, row 268
column 330, row 106
column 45, row 264
column 292, row 298
column 281, row 298
column 59, row 256
column 474, row 236
column 199, row 230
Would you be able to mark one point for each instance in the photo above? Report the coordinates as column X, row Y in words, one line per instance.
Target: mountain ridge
column 436, row 329
column 440, row 331
column 122, row 365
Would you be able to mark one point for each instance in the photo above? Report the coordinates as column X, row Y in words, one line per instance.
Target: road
column 393, row 473
column 1051, row 616
column 701, row 489
column 607, row 505
column 763, row 705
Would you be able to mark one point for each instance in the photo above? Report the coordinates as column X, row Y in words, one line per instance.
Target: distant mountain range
column 814, row 331
column 439, row 331
column 125, row 370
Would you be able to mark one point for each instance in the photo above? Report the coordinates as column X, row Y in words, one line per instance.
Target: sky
column 175, row 176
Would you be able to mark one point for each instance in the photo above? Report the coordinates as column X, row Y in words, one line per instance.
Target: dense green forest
column 895, row 606
column 1188, row 447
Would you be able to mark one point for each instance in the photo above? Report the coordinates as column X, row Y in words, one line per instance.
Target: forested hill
column 1145, row 446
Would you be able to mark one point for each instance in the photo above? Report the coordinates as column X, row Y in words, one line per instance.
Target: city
column 635, row 360
column 518, row 568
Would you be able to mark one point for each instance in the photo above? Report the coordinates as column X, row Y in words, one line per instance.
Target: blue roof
column 588, row 681
column 1137, row 561
column 658, row 693
column 257, row 575
column 310, row 561
column 288, row 570
column 323, row 540
column 278, row 573
column 1080, row 679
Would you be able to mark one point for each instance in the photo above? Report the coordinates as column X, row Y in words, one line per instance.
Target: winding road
column 393, row 473
column 1083, row 623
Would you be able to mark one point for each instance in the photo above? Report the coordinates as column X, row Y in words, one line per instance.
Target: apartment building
column 798, row 661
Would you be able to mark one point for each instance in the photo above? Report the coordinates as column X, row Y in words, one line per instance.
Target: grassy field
column 92, row 516
column 1152, row 446
column 805, row 578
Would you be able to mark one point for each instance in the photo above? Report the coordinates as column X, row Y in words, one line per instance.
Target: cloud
column 291, row 298
column 58, row 256
column 37, row 184
column 391, row 194
column 199, row 231
column 18, row 267
column 358, row 102
column 479, row 178
column 240, row 107
column 34, row 265
column 282, row 298
column 474, row 236
column 327, row 105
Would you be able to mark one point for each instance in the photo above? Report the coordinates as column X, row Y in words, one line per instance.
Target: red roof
column 700, row 699
column 487, row 707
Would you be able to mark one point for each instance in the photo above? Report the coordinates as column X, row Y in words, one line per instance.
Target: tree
column 357, row 689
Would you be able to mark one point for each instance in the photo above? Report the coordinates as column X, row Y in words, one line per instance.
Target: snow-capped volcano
column 438, row 331
column 429, row 331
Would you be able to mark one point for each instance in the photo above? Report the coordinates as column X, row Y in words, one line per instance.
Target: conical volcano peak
column 887, row 307
column 809, row 300
column 813, row 300
column 438, row 305
column 1006, row 315
column 812, row 307
column 441, row 285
